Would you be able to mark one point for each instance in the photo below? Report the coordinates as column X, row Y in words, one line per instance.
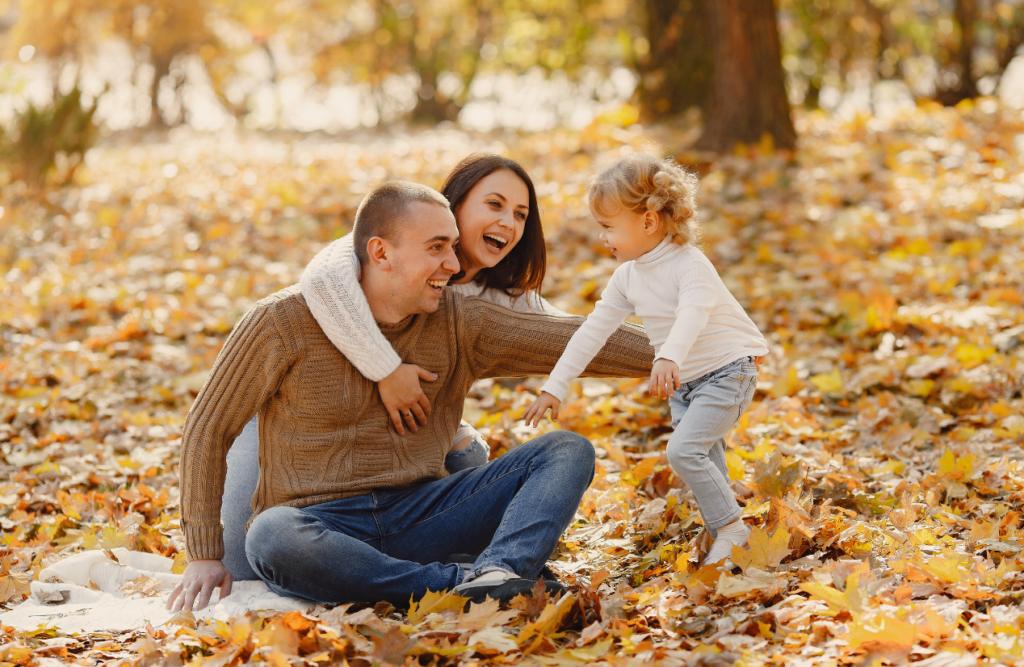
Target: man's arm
column 248, row 370
column 498, row 342
column 590, row 338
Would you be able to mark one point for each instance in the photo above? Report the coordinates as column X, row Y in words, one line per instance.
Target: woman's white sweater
column 330, row 286
column 690, row 316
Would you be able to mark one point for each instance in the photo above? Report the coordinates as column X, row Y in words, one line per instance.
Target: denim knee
column 272, row 538
column 682, row 454
column 572, row 452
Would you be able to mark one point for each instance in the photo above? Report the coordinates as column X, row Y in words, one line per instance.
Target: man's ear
column 652, row 222
column 379, row 252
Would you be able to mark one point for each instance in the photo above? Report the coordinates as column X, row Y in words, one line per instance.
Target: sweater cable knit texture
column 324, row 433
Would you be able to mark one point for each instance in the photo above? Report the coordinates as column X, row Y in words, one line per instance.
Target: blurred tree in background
column 942, row 49
column 157, row 32
column 741, row 64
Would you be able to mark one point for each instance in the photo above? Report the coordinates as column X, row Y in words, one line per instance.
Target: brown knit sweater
column 324, row 433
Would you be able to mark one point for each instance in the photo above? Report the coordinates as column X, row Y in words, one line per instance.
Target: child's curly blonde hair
column 642, row 182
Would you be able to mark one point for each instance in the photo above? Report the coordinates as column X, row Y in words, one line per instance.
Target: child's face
column 628, row 234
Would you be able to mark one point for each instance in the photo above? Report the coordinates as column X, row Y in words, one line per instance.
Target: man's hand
column 535, row 413
column 664, row 378
column 402, row 396
column 197, row 584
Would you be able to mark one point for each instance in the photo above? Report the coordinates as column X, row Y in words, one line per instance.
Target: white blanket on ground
column 83, row 593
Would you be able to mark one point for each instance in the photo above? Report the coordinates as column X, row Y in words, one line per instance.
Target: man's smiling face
column 422, row 258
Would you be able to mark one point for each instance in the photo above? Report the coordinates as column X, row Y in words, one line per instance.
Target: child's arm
column 699, row 293
column 330, row 286
column 584, row 345
column 535, row 413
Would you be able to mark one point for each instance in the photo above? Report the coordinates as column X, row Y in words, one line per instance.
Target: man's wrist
column 204, row 542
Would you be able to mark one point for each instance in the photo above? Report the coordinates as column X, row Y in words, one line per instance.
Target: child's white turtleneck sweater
column 688, row 312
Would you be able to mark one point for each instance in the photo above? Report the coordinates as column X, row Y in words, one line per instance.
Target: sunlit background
column 336, row 65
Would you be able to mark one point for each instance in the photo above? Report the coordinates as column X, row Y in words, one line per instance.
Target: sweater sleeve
column 529, row 302
column 248, row 370
column 499, row 342
column 588, row 340
column 330, row 285
column 698, row 296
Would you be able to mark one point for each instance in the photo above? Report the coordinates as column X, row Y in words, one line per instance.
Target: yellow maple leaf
column 484, row 615
column 180, row 563
column 920, row 387
column 945, row 569
column 786, row 385
column 886, row 630
column 734, row 462
column 765, row 552
column 848, row 600
column 434, row 603
column 13, row 585
column 956, row 467
column 1010, row 427
column 642, row 471
column 972, row 355
column 762, row 451
column 549, row 619
column 828, row 383
column 959, row 384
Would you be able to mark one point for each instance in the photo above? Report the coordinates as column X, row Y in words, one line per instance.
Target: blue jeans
column 703, row 412
column 391, row 544
column 240, row 485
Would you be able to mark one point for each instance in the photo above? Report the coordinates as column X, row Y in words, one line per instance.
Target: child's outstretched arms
column 664, row 378
column 535, row 413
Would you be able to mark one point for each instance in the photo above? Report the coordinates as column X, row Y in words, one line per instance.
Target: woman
column 502, row 258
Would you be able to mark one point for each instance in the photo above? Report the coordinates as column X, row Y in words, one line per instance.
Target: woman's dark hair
column 523, row 268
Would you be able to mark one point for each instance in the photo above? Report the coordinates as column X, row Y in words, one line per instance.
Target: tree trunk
column 161, row 68
column 748, row 92
column 966, row 13
column 432, row 107
column 676, row 72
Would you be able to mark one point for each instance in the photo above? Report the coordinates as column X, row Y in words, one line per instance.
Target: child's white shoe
column 734, row 534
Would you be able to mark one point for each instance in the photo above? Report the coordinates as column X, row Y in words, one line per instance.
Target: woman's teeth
column 495, row 241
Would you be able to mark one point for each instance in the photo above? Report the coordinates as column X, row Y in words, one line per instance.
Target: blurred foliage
column 49, row 143
column 421, row 58
column 923, row 43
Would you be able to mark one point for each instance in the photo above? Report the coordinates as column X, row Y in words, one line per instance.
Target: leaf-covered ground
column 880, row 463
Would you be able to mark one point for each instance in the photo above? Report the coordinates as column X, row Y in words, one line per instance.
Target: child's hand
column 404, row 399
column 664, row 378
column 535, row 412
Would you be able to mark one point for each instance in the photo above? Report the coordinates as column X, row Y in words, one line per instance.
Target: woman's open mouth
column 495, row 241
column 437, row 285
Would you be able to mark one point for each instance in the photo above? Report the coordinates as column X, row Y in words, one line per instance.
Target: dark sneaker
column 505, row 592
column 466, row 562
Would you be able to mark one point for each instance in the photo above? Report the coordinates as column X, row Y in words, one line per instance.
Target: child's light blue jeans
column 703, row 412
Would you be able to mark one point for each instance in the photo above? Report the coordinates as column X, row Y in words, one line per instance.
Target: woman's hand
column 197, row 584
column 535, row 413
column 404, row 399
column 664, row 376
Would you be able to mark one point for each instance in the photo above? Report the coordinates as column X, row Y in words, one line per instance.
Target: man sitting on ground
column 346, row 509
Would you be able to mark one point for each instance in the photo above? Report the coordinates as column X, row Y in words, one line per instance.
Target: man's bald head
column 385, row 209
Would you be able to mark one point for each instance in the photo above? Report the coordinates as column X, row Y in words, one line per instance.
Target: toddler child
column 706, row 348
